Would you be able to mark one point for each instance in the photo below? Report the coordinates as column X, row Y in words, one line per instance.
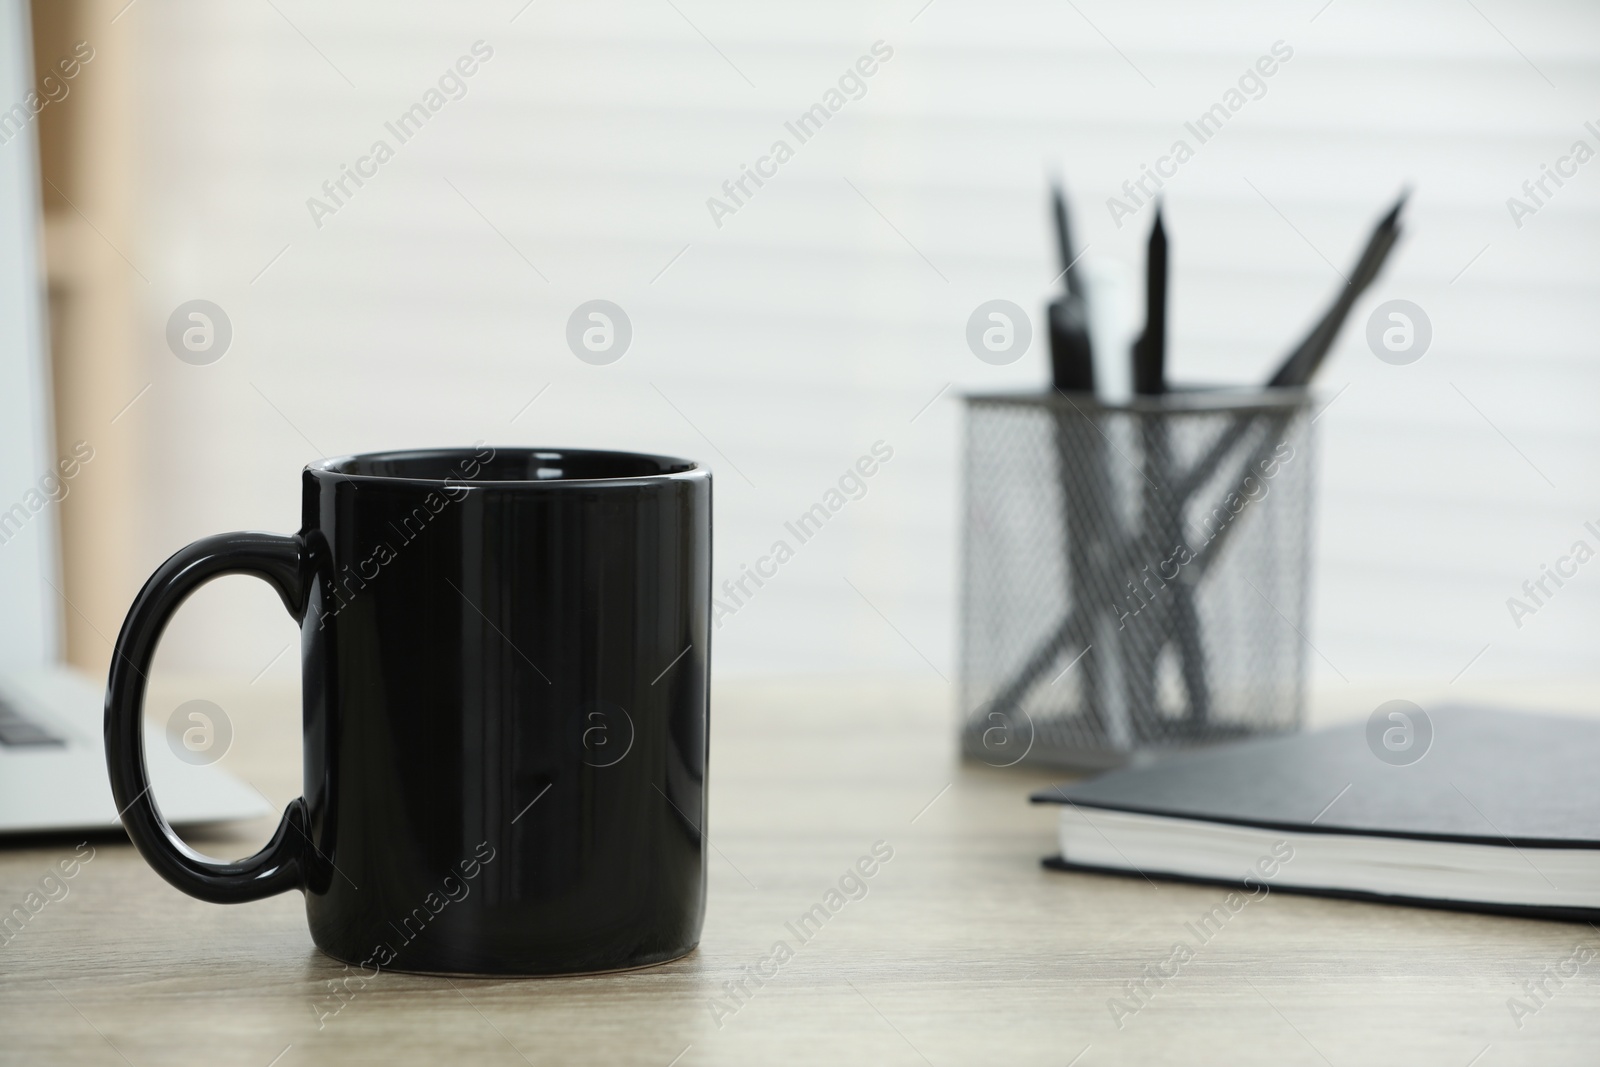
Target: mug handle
column 280, row 562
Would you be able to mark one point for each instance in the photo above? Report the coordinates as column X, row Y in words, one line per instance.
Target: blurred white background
column 830, row 310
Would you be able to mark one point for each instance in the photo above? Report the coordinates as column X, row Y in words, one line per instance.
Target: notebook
column 1500, row 812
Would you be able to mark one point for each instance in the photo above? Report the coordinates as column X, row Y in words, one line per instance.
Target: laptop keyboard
column 18, row 731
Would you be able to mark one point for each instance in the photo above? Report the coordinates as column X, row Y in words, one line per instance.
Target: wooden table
column 962, row 951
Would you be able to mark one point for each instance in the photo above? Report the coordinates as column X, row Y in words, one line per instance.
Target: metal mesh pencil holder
column 1134, row 576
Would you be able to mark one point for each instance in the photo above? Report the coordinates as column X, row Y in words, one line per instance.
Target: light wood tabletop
column 962, row 950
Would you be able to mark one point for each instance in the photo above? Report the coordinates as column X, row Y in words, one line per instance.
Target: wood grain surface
column 962, row 950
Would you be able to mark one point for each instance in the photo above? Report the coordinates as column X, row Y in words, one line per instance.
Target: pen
column 1150, row 351
column 1300, row 365
column 1071, row 354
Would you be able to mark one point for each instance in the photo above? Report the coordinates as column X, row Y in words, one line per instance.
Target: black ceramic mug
column 504, row 657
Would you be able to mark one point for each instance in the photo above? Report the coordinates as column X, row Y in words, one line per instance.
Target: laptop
column 52, row 757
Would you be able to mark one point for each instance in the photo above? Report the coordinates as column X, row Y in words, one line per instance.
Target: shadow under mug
column 504, row 660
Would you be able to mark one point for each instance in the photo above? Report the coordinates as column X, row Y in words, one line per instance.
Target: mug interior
column 506, row 465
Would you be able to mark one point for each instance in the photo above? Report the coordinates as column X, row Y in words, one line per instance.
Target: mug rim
column 675, row 468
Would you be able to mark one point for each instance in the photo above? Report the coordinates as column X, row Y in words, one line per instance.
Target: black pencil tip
column 1394, row 213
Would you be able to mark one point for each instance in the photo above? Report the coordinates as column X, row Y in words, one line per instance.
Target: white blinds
column 824, row 310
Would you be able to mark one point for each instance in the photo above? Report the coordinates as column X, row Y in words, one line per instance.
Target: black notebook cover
column 1487, row 777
